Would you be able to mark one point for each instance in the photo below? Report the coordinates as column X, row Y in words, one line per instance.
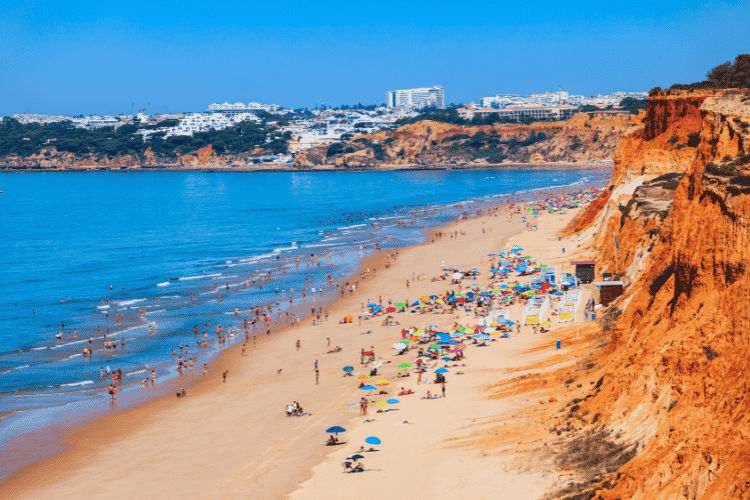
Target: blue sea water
column 159, row 238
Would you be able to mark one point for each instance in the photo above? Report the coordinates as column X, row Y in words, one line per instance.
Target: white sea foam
column 164, row 284
column 76, row 384
column 130, row 302
column 14, row 369
column 102, row 307
column 135, row 372
column 199, row 277
column 344, row 228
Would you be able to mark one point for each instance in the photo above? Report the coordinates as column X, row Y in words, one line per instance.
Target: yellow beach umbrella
column 546, row 323
column 418, row 332
column 382, row 382
column 381, row 403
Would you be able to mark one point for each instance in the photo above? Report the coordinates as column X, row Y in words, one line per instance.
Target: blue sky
column 114, row 56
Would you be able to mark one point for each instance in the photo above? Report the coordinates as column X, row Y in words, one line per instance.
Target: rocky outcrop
column 677, row 376
column 582, row 138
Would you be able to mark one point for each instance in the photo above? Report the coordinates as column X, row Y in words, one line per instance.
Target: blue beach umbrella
column 510, row 323
column 494, row 270
column 415, row 304
column 335, row 429
column 446, row 358
column 474, row 269
column 481, row 336
column 372, row 440
column 348, row 369
column 369, row 388
column 441, row 370
column 490, row 255
column 372, row 305
column 502, row 253
column 393, row 401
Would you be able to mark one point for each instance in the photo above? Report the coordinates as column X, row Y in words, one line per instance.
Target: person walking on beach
column 298, row 345
column 153, row 378
column 316, row 365
column 224, row 375
column 205, row 369
column 317, row 373
column 442, row 386
column 112, row 391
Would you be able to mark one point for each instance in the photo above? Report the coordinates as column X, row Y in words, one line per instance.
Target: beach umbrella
column 446, row 358
column 391, row 310
column 455, row 265
column 372, row 305
column 495, row 270
column 404, row 365
column 382, row 382
column 424, row 335
column 460, row 300
column 376, row 364
column 509, row 323
column 474, row 269
column 405, row 342
column 425, row 299
column 364, row 376
column 441, row 370
column 381, row 403
column 399, row 346
column 481, row 336
column 457, row 276
column 415, row 304
column 356, row 456
column 348, row 369
column 490, row 255
column 372, row 440
column 393, row 401
column 400, row 304
column 432, row 326
column 368, row 388
column 545, row 323
column 376, row 309
column 335, row 429
column 433, row 346
column 348, row 319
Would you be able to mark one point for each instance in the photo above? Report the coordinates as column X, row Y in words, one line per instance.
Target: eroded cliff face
column 582, row 138
column 635, row 210
column 676, row 369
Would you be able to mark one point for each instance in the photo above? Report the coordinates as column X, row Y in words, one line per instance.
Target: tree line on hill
column 24, row 140
column 730, row 75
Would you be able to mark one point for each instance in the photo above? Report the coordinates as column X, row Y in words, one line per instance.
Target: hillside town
column 309, row 128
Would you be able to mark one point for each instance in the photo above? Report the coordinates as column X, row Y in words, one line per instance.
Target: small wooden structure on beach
column 609, row 291
column 585, row 270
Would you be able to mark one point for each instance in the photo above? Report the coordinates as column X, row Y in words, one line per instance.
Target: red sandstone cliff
column 676, row 369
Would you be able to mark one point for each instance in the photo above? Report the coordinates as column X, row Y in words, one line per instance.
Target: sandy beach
column 233, row 440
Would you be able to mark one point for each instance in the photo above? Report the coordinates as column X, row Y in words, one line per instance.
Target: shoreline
column 99, row 433
column 598, row 167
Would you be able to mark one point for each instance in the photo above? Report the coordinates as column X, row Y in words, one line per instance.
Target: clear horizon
column 99, row 58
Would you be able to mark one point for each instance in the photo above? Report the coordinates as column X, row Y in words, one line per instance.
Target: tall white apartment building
column 416, row 98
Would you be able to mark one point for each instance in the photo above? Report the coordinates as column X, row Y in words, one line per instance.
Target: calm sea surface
column 158, row 238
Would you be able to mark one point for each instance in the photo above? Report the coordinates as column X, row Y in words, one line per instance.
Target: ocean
column 80, row 247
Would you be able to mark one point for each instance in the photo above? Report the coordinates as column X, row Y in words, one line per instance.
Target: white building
column 416, row 98
column 239, row 108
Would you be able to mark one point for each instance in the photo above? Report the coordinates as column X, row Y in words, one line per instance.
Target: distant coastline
column 600, row 166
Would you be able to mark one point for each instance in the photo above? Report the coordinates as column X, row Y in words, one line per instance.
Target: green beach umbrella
column 404, row 365
column 400, row 304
